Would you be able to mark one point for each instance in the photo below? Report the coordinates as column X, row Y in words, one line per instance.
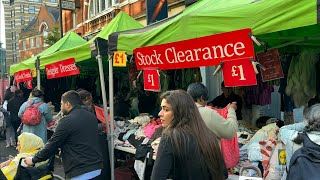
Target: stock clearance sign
column 204, row 51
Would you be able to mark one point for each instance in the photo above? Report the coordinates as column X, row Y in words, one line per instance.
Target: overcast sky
column 2, row 26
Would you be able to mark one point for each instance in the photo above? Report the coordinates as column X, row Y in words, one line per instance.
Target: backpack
column 305, row 162
column 32, row 115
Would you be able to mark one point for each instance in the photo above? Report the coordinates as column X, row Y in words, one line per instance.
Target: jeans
column 10, row 134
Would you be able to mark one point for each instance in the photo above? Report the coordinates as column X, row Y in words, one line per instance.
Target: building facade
column 2, row 59
column 92, row 15
column 31, row 40
column 18, row 14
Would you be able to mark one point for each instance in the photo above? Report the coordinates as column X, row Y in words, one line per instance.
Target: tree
column 52, row 36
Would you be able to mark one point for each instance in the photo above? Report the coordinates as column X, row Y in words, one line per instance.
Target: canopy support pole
column 105, row 110
column 111, row 104
column 38, row 72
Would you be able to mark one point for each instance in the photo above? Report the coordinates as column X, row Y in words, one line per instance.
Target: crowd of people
column 190, row 146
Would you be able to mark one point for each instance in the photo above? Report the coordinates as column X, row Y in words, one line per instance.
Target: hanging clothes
column 259, row 94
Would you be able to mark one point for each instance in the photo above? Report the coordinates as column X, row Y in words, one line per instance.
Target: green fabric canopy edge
column 81, row 53
column 71, row 39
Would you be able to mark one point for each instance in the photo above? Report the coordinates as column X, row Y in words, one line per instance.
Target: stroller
column 42, row 172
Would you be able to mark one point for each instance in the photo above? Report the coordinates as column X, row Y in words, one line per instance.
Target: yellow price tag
column 120, row 59
column 34, row 72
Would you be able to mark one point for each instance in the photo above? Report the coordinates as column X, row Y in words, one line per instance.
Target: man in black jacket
column 77, row 136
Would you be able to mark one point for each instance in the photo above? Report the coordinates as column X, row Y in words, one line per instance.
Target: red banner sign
column 271, row 61
column 151, row 80
column 204, row 51
column 62, row 69
column 22, row 76
column 239, row 73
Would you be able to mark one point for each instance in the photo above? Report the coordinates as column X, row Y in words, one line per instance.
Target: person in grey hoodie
column 222, row 128
column 290, row 136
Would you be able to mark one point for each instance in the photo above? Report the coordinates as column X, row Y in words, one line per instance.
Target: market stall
column 277, row 23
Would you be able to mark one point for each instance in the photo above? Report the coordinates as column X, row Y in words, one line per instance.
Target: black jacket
column 168, row 165
column 13, row 107
column 77, row 136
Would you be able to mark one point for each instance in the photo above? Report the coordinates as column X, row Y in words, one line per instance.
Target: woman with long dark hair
column 188, row 149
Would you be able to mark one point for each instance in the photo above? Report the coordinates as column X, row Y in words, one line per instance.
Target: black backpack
column 305, row 162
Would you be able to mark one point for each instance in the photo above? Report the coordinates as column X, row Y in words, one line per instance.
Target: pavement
column 5, row 152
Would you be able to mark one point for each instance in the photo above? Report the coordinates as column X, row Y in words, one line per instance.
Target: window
column 37, row 41
column 12, row 25
column 31, row 43
column 30, row 18
column 53, row 1
column 13, row 34
column 24, row 44
column 32, row 9
column 22, row 20
column 97, row 6
column 22, row 8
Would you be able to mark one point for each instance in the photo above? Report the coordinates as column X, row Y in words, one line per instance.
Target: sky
column 2, row 26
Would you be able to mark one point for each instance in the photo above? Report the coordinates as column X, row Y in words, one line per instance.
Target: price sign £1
column 120, row 59
column 151, row 80
column 239, row 73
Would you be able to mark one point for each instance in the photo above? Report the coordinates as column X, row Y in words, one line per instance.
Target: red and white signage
column 271, row 61
column 61, row 69
column 204, row 51
column 151, row 80
column 239, row 73
column 22, row 76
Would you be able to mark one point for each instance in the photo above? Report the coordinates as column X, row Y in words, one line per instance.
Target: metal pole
column 2, row 72
column 109, row 128
column 60, row 11
column 111, row 104
column 38, row 72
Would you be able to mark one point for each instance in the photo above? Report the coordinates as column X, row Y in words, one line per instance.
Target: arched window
column 43, row 28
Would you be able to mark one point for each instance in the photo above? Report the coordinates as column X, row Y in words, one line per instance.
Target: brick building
column 31, row 40
column 91, row 15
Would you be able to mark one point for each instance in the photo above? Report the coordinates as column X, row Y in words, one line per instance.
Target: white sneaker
column 8, row 145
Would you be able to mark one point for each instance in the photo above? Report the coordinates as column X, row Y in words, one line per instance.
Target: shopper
column 40, row 129
column 10, row 135
column 295, row 134
column 77, row 136
column 222, row 128
column 28, row 145
column 227, row 97
column 14, row 105
column 86, row 98
column 188, row 149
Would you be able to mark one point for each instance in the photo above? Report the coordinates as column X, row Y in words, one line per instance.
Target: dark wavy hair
column 312, row 117
column 37, row 93
column 188, row 126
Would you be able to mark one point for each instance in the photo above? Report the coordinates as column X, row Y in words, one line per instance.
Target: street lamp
column 60, row 11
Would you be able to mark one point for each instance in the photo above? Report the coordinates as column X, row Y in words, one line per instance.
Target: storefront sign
column 271, row 61
column 22, row 76
column 151, row 80
column 204, row 51
column 239, row 73
column 61, row 69
column 120, row 59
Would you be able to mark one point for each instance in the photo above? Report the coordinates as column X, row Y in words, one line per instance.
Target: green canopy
column 121, row 22
column 69, row 40
column 207, row 17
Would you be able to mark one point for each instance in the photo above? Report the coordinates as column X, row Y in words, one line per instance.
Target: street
column 5, row 152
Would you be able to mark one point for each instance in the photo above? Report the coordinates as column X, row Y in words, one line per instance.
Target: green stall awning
column 69, row 40
column 121, row 22
column 269, row 18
